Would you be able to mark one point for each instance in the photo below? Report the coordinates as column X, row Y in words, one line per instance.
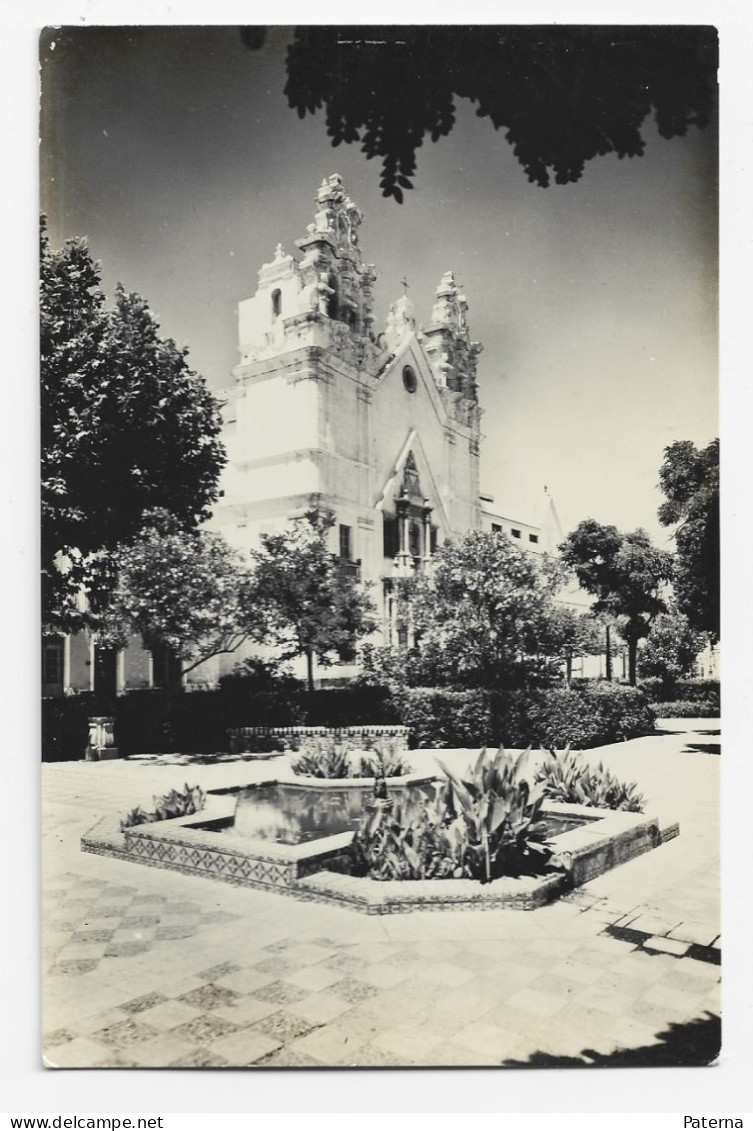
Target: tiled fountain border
column 608, row 839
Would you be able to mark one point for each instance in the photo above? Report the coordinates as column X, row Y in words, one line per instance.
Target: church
column 379, row 427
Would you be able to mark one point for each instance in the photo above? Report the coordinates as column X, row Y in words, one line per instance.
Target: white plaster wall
column 276, row 415
column 395, row 412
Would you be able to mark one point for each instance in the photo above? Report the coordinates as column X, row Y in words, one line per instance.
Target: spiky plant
column 569, row 779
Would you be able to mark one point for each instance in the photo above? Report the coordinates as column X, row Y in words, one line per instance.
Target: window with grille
column 390, row 536
column 346, row 546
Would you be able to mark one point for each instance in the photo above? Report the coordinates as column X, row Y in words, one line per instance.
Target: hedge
column 441, row 718
column 593, row 714
column 687, row 709
column 683, row 689
column 152, row 722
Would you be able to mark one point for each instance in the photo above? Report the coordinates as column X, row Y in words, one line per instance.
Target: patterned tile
column 287, row 1058
column 167, row 1049
column 80, row 1053
column 203, row 1029
column 134, row 922
column 283, row 1026
column 91, row 936
column 345, row 963
column 353, row 991
column 124, row 949
column 214, row 973
column 124, row 1034
column 278, row 967
column 200, row 1058
column 314, row 978
column 245, row 981
column 57, row 1037
column 166, row 932
column 209, row 997
column 169, row 1015
column 246, row 1010
column 319, row 1009
column 245, row 1046
column 408, row 1041
column 146, row 1001
column 280, row 992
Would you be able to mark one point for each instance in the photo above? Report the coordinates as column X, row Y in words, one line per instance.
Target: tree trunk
column 569, row 668
column 632, row 661
column 609, row 655
column 310, row 669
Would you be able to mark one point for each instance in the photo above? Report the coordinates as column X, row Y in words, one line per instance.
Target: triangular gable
column 410, row 353
column 413, row 459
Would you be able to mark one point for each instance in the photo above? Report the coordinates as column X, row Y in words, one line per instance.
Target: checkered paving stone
column 438, row 1014
column 162, row 970
column 89, row 921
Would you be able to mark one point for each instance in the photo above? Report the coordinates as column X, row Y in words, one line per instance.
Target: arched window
column 276, row 304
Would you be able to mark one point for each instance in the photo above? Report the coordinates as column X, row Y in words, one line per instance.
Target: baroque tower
column 382, row 429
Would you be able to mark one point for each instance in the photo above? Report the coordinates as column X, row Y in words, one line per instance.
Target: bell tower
column 324, row 300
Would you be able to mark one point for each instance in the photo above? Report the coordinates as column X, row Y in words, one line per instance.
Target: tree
column 561, row 95
column 187, row 591
column 127, row 427
column 626, row 574
column 311, row 600
column 670, row 650
column 689, row 478
column 565, row 635
column 479, row 610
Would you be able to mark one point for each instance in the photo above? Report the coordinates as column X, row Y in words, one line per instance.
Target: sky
column 174, row 151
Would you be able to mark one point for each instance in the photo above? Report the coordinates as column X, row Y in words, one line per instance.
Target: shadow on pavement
column 690, row 1044
column 702, row 748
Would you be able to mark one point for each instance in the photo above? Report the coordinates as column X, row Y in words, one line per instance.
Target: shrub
column 688, row 709
column 176, row 803
column 324, row 757
column 480, row 826
column 624, row 712
column 65, row 731
column 354, row 705
column 445, row 719
column 567, row 778
column 659, row 692
column 563, row 717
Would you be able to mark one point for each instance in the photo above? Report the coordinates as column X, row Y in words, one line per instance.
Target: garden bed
column 317, row 868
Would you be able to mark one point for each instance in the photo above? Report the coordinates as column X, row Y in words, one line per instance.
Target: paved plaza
column 151, row 968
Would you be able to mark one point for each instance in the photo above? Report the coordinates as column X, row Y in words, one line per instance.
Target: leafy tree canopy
column 312, row 601
column 186, row 590
column 689, row 478
column 566, row 634
column 480, row 608
column 625, row 572
column 562, row 95
column 670, row 650
column 127, row 427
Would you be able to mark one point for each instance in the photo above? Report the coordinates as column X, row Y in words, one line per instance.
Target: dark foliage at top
column 562, row 95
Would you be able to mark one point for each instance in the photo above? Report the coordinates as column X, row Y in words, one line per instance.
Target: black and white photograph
column 380, row 655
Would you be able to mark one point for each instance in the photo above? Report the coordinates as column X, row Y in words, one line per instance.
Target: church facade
column 382, row 429
column 379, row 427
